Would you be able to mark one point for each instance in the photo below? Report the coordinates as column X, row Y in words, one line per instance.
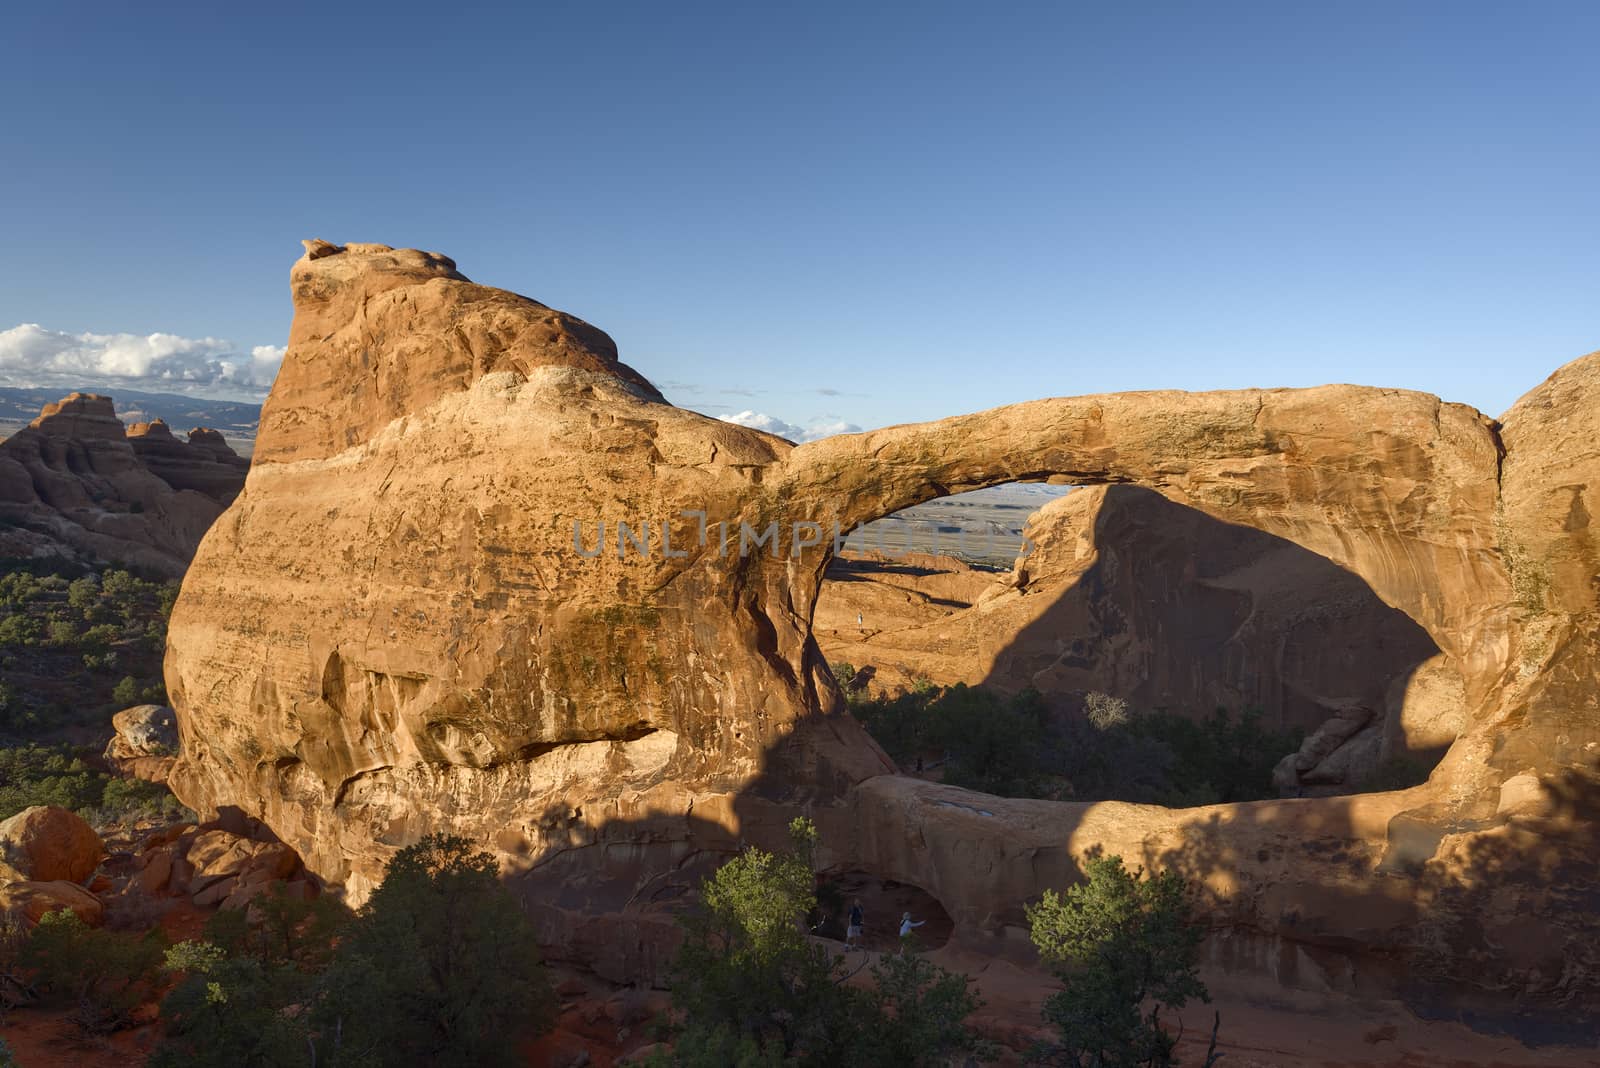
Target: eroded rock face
column 394, row 630
column 74, row 485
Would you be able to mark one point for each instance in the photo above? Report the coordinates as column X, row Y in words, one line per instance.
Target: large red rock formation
column 399, row 627
column 74, row 485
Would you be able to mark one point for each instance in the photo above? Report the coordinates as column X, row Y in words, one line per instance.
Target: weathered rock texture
column 75, row 485
column 392, row 631
column 145, row 742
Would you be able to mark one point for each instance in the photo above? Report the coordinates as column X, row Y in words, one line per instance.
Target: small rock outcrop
column 417, row 617
column 75, row 485
column 145, row 744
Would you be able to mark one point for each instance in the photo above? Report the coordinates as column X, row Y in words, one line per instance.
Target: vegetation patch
column 1018, row 746
column 77, row 647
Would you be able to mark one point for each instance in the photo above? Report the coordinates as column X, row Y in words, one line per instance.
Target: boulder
column 26, row 901
column 45, row 843
column 145, row 745
column 216, row 854
column 1335, row 754
column 143, row 730
column 217, row 892
column 152, row 878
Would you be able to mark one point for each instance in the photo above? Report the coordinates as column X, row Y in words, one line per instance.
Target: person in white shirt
column 905, row 929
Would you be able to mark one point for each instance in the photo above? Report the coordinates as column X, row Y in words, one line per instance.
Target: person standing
column 906, row 926
column 852, row 931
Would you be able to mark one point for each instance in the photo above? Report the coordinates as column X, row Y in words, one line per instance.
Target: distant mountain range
column 236, row 420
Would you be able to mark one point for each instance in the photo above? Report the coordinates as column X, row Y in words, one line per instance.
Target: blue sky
column 824, row 215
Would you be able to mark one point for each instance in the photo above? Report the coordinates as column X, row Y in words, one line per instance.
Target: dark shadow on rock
column 1184, row 612
column 1497, row 927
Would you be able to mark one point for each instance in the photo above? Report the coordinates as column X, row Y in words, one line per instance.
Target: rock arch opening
column 884, row 903
column 1109, row 643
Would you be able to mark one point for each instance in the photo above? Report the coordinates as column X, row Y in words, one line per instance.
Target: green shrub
column 46, row 775
column 1117, row 942
column 20, row 629
column 126, row 691
column 101, row 975
column 57, row 775
column 1397, row 773
column 440, row 967
column 1015, row 746
column 750, row 988
column 67, row 641
column 84, row 593
column 226, row 1011
column 845, row 674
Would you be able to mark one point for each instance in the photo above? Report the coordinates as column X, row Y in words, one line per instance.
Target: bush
column 988, row 742
column 57, row 775
column 1104, row 711
column 19, row 629
column 41, row 775
column 68, row 642
column 126, row 691
column 1396, row 773
column 845, row 674
column 1016, row 747
column 84, row 593
column 103, row 975
column 1115, row 941
column 750, row 987
column 226, row 1011
column 440, row 967
column 918, row 1013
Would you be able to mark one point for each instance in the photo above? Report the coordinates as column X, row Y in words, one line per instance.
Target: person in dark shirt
column 853, row 931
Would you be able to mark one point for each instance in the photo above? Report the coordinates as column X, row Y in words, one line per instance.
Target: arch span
column 1398, row 488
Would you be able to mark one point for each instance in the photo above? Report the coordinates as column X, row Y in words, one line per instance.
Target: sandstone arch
column 389, row 631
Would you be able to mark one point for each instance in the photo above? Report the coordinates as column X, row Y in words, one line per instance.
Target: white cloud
column 30, row 355
column 821, row 427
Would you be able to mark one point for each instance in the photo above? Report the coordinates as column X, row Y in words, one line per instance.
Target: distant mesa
column 77, row 486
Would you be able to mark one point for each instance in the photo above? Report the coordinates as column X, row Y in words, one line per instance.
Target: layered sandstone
column 75, row 485
column 204, row 462
column 396, row 628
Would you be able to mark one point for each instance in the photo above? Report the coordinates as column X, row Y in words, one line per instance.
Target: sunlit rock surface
column 393, row 630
